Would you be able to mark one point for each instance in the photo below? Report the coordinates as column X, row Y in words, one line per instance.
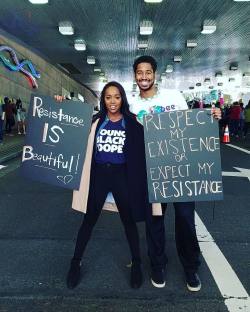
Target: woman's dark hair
column 145, row 59
column 124, row 107
column 18, row 104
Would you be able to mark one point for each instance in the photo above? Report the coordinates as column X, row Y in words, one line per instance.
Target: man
column 151, row 100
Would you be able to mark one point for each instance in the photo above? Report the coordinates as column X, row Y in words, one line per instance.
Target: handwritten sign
column 183, row 156
column 56, row 141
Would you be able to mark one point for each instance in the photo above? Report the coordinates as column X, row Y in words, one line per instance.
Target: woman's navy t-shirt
column 110, row 142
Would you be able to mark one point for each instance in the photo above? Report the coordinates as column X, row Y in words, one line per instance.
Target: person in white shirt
column 151, row 100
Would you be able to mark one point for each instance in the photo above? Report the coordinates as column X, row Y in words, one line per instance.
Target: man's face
column 144, row 76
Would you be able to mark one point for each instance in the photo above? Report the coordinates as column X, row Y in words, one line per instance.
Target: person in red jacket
column 234, row 116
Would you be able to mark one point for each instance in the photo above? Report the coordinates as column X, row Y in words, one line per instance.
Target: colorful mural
column 25, row 66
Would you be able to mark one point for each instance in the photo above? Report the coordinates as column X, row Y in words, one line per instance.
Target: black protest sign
column 56, row 141
column 183, row 156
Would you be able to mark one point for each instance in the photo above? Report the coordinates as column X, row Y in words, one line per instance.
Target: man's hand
column 216, row 112
column 59, row 98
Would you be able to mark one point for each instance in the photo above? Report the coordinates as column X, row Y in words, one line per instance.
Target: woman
column 20, row 117
column 117, row 166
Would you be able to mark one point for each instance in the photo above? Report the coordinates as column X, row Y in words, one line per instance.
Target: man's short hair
column 145, row 59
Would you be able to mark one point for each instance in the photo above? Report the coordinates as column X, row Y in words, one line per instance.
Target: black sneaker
column 158, row 278
column 193, row 281
column 74, row 274
column 135, row 275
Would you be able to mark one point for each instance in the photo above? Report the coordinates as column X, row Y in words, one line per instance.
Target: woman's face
column 113, row 100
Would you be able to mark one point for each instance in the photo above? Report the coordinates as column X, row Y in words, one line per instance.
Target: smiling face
column 113, row 101
column 145, row 76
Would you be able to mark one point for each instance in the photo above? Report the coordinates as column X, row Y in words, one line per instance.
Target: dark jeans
column 104, row 179
column 246, row 127
column 234, row 126
column 185, row 238
column 8, row 125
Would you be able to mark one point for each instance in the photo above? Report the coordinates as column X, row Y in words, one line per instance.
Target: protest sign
column 56, row 141
column 183, row 156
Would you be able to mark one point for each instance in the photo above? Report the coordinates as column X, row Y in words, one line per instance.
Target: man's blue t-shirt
column 110, row 142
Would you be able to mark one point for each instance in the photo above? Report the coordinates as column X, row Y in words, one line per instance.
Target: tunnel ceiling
column 111, row 31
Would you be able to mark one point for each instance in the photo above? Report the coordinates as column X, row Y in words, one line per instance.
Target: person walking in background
column 242, row 119
column 247, row 120
column 234, row 116
column 117, row 165
column 9, row 112
column 2, row 116
column 21, row 116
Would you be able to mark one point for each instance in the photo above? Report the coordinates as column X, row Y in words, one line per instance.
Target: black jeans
column 185, row 238
column 8, row 125
column 104, row 179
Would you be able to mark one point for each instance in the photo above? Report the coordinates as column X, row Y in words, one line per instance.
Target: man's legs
column 155, row 234
column 121, row 195
column 186, row 242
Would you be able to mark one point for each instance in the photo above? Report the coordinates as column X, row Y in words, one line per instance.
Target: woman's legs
column 121, row 196
column 97, row 195
column 19, row 123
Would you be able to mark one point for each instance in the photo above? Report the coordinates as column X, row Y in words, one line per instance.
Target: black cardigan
column 134, row 151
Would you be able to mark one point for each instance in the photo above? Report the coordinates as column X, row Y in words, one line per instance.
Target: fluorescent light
column 96, row 69
column 233, row 67
column 80, row 45
column 177, row 58
column 241, row 0
column 163, row 75
column 207, row 81
column 191, row 44
column 169, row 69
column 38, row 1
column 142, row 44
column 208, row 27
column 103, row 79
column 152, row 1
column 90, row 60
column 146, row 28
column 231, row 79
column 66, row 28
column 218, row 74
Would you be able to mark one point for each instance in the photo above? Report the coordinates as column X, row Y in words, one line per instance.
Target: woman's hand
column 216, row 112
column 59, row 98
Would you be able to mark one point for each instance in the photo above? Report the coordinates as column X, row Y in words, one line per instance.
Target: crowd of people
column 237, row 118
column 12, row 117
